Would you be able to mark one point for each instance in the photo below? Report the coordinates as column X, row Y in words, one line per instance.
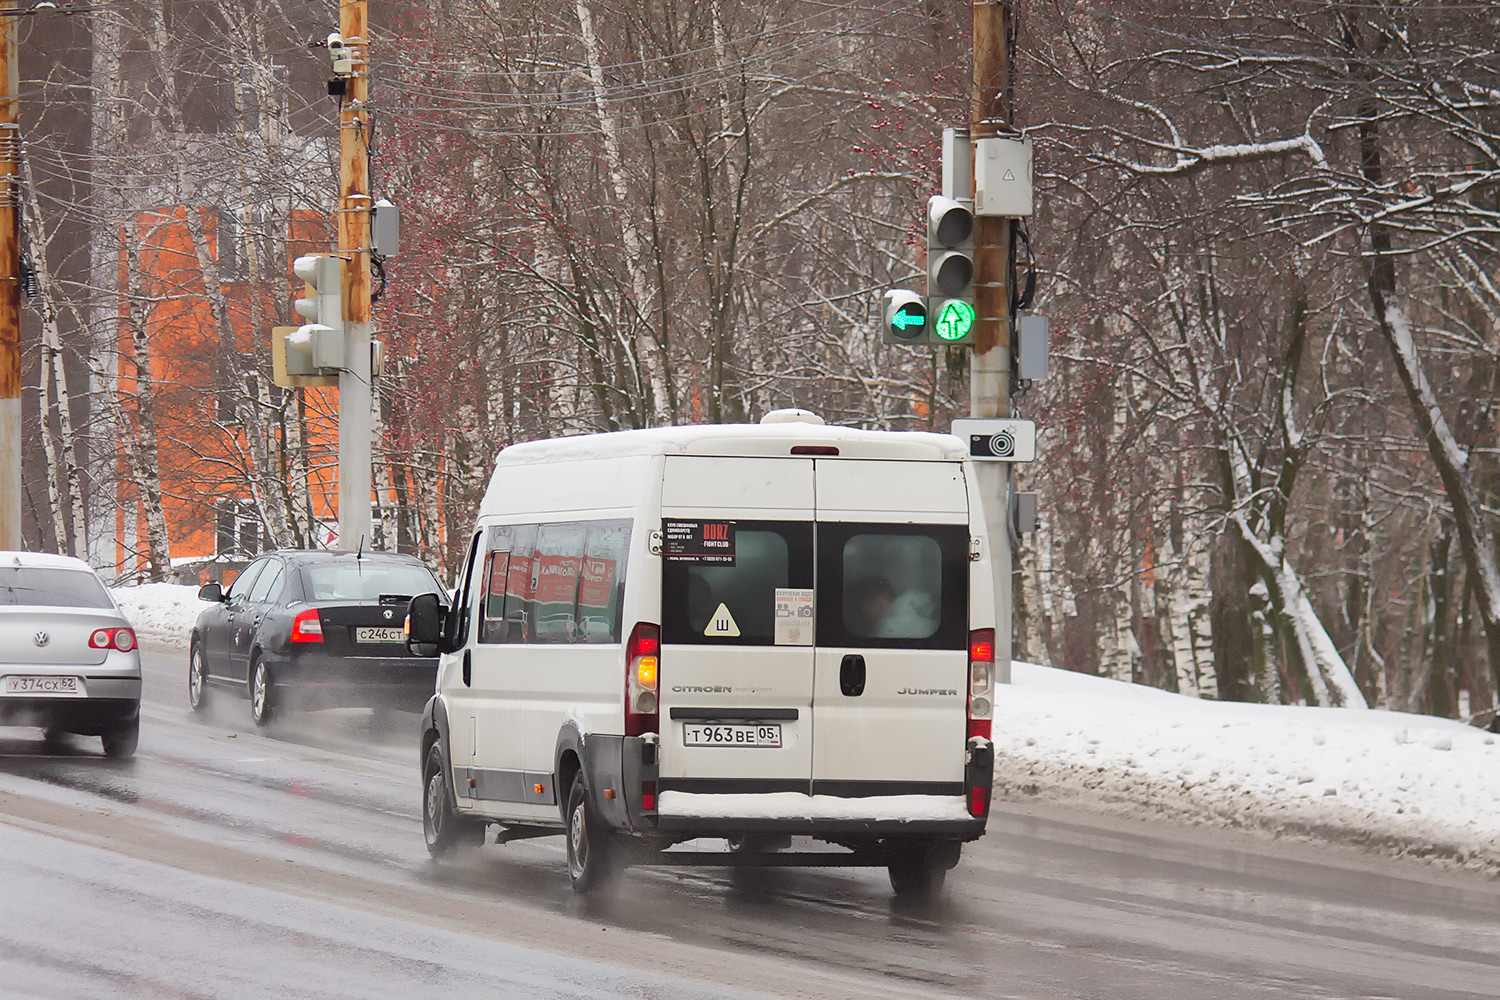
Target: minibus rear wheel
column 919, row 869
column 593, row 860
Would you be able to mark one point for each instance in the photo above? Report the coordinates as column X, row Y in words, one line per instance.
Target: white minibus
column 740, row 632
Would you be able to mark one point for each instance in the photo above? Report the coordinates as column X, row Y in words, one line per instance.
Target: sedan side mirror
column 424, row 625
column 211, row 592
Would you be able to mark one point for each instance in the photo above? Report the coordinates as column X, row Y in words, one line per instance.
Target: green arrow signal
column 956, row 320
column 904, row 319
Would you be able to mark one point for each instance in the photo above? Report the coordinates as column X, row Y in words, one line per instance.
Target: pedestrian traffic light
column 905, row 318
column 950, row 271
column 322, row 305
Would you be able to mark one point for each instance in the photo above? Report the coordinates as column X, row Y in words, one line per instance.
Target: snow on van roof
column 737, row 439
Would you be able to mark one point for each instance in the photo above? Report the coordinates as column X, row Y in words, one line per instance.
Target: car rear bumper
column 89, row 716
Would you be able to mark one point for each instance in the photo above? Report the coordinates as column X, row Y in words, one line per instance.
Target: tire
column 262, row 693
column 593, row 856
column 919, row 870
column 442, row 828
column 121, row 741
column 197, row 678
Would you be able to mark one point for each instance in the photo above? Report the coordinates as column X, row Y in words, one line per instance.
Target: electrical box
column 1031, row 346
column 377, row 358
column 1002, row 177
column 385, row 229
column 1023, row 509
column 958, row 165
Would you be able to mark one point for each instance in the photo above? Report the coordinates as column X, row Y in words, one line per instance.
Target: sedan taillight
column 307, row 627
column 122, row 639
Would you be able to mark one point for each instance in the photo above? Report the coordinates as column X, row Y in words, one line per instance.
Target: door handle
column 468, row 669
column 852, row 675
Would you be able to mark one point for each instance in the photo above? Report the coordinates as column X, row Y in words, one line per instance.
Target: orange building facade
column 214, row 480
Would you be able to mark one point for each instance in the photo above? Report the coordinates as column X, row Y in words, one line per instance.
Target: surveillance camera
column 335, row 40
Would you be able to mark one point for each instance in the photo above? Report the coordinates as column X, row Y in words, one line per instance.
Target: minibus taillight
column 307, row 627
column 642, row 664
column 981, row 681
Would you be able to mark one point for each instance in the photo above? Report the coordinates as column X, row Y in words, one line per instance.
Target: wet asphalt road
column 227, row 862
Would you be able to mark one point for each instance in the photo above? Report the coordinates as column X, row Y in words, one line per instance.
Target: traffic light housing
column 322, row 305
column 906, row 319
column 950, row 272
column 292, row 360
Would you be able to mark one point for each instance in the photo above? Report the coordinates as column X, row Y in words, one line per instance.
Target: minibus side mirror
column 424, row 625
column 211, row 592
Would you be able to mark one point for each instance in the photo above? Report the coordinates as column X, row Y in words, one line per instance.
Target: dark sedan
column 313, row 629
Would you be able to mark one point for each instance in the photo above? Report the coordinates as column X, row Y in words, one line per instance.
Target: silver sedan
column 68, row 659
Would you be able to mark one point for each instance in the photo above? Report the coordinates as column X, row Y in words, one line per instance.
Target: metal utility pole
column 10, row 293
column 355, row 392
column 989, row 361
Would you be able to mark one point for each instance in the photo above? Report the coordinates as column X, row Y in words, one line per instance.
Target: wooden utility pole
column 355, row 393
column 989, row 361
column 10, row 292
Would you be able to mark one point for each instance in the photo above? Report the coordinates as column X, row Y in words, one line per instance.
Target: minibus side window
column 518, row 584
column 463, row 606
column 601, row 582
column 492, row 624
column 554, row 580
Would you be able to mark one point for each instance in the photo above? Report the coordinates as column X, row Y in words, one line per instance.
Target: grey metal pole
column 354, row 245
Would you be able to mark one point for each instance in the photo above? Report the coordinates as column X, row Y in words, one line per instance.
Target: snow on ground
column 1410, row 784
column 161, row 613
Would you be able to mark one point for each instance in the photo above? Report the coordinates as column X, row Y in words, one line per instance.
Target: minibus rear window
column 896, row 586
column 700, row 599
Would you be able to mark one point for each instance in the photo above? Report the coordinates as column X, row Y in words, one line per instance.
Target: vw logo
column 388, row 615
column 41, row 638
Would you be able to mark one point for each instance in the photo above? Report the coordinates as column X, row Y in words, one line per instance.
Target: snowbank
column 1412, row 784
column 161, row 613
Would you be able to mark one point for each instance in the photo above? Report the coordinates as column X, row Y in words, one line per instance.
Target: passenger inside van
column 879, row 612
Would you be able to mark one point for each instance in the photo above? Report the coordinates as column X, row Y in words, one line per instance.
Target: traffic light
column 950, row 272
column 323, row 306
column 905, row 318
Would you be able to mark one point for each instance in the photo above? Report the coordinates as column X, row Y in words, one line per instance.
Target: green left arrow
column 904, row 319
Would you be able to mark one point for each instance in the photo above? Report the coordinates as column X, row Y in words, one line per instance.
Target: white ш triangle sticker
column 722, row 623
